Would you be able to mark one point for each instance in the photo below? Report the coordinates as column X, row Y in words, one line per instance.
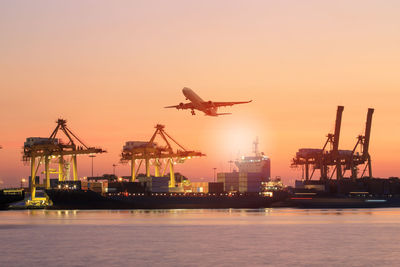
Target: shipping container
column 215, row 187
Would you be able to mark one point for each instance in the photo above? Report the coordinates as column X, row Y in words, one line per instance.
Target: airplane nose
column 185, row 89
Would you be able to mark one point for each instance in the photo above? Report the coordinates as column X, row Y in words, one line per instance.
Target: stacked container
column 96, row 187
column 84, row 185
column 215, row 187
column 199, row 187
column 230, row 180
column 155, row 184
column 160, row 184
column 250, row 182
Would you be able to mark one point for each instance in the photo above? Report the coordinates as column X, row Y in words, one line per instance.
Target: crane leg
column 33, row 175
column 74, row 168
column 147, row 167
column 47, row 171
column 171, row 174
column 133, row 170
column 61, row 169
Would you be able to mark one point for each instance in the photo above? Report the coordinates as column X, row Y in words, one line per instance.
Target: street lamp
column 214, row 173
column 92, row 156
column 114, row 165
column 22, row 182
column 230, row 165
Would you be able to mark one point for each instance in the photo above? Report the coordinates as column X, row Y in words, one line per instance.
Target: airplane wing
column 182, row 106
column 225, row 104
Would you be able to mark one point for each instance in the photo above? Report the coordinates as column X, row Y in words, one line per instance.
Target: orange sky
column 110, row 68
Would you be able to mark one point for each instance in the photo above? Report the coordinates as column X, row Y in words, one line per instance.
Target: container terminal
column 248, row 186
column 360, row 189
column 159, row 187
column 8, row 196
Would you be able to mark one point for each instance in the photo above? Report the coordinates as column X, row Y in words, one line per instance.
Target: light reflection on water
column 206, row 217
column 244, row 237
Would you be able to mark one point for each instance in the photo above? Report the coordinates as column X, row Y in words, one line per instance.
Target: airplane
column 208, row 107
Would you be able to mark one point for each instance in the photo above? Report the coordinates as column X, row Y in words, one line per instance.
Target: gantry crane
column 340, row 160
column 362, row 144
column 150, row 151
column 46, row 149
column 322, row 158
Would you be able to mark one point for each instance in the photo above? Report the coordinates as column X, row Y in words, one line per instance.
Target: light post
column 22, row 182
column 230, row 165
column 214, row 173
column 92, row 156
column 114, row 165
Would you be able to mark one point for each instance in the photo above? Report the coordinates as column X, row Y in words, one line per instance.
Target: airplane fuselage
column 198, row 102
column 209, row 108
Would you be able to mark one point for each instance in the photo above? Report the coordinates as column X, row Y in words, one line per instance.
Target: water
column 264, row 237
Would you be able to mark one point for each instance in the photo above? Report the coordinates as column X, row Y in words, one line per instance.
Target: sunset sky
column 109, row 68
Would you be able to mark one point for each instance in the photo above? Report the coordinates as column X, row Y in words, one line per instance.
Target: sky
column 109, row 68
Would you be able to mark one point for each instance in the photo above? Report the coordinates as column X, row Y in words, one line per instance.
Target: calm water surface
column 264, row 237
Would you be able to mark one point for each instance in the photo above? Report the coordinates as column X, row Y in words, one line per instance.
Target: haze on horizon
column 109, row 68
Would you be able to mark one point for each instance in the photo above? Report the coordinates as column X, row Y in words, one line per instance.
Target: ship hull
column 7, row 197
column 345, row 203
column 80, row 199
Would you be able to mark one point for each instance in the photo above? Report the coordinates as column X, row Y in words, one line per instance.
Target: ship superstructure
column 252, row 172
column 259, row 163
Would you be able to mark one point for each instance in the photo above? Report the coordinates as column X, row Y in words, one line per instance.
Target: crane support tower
column 335, row 150
column 38, row 150
column 333, row 158
column 153, row 154
column 362, row 145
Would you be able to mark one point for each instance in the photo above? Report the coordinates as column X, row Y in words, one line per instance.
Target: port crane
column 153, row 154
column 331, row 157
column 362, row 145
column 38, row 150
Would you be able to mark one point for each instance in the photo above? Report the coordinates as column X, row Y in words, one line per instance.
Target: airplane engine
column 181, row 105
column 210, row 103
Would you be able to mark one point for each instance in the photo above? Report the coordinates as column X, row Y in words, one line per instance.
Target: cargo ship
column 251, row 187
column 9, row 196
column 252, row 173
column 346, row 202
column 347, row 193
column 87, row 199
column 154, row 193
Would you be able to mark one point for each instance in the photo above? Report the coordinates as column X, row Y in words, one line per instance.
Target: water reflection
column 201, row 216
column 237, row 237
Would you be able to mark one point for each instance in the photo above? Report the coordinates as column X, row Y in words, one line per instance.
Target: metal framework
column 53, row 148
column 363, row 156
column 154, row 154
column 338, row 160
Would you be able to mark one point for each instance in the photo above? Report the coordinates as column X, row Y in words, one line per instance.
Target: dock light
column 22, row 182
